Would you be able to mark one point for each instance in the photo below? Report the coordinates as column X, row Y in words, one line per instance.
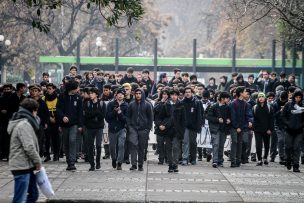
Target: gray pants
column 69, row 139
column 172, row 150
column 189, row 145
column 246, row 144
column 137, row 141
column 236, row 146
column 218, row 142
column 94, row 135
column 117, row 145
column 161, row 148
column 293, row 147
column 273, row 144
column 281, row 142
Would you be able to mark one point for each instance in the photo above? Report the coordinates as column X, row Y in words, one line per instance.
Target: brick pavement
column 199, row 183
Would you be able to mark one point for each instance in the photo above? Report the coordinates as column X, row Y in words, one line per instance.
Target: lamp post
column 98, row 44
column 3, row 45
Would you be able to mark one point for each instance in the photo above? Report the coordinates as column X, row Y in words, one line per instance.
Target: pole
column 194, row 56
column 116, row 54
column 155, row 60
column 283, row 56
column 302, row 65
column 294, row 58
column 233, row 56
column 273, row 55
column 78, row 55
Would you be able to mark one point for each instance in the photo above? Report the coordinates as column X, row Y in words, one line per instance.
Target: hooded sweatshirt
column 24, row 148
column 140, row 114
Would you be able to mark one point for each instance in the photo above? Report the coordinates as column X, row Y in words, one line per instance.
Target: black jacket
column 14, row 102
column 162, row 116
column 193, row 114
column 140, row 114
column 214, row 113
column 277, row 106
column 293, row 123
column 94, row 114
column 125, row 79
column 43, row 112
column 71, row 107
column 263, row 118
column 116, row 121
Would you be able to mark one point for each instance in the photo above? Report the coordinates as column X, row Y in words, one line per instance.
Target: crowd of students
column 266, row 110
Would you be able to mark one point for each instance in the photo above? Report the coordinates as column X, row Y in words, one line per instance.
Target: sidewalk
column 199, row 183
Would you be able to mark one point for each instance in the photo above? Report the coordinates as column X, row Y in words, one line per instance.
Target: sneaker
column 265, row 161
column 175, row 168
column 48, row 158
column 170, row 170
column 140, row 168
column 133, row 167
column 214, row 165
column 97, row 165
column 209, row 157
column 253, row 157
column 114, row 163
column 119, row 166
column 193, row 162
column 92, row 168
column 260, row 163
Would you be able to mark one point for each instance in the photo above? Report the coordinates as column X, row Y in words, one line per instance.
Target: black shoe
column 282, row 162
column 233, row 165
column 272, row 159
column 114, row 163
column 302, row 160
column 170, row 170
column 92, row 168
column 133, row 167
column 160, row 162
column 296, row 168
column 288, row 165
column 97, row 165
column 175, row 168
column 244, row 162
column 200, row 158
column 209, row 157
column 48, row 158
column 127, row 162
column 265, row 162
column 119, row 166
column 238, row 164
column 145, row 158
column 260, row 163
column 71, row 168
column 140, row 168
column 106, row 157
column 55, row 158
column 253, row 157
column 220, row 165
column 214, row 165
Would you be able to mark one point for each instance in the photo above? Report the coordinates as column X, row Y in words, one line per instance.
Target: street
column 199, row 183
